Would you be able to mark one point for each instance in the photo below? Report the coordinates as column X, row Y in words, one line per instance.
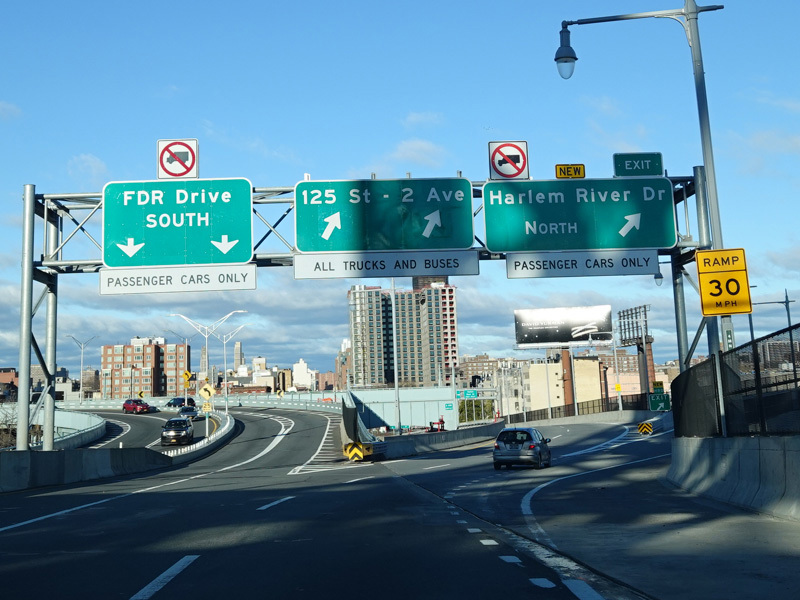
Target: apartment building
column 147, row 365
column 421, row 328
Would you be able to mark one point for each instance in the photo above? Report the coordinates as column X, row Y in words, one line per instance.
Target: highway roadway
column 278, row 513
column 143, row 430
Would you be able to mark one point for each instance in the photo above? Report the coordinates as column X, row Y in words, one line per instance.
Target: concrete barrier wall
column 759, row 473
column 31, row 468
column 35, row 468
column 409, row 445
column 622, row 417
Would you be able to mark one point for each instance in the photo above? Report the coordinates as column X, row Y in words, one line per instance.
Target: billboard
column 556, row 327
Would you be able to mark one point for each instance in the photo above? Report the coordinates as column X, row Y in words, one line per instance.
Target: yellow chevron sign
column 645, row 428
column 354, row 451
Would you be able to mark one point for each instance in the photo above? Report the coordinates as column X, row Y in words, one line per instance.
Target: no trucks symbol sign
column 177, row 159
column 508, row 160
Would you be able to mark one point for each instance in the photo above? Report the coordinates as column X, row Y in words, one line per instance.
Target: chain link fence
column 759, row 390
column 628, row 401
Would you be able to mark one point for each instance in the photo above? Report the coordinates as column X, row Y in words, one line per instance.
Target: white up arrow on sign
column 434, row 220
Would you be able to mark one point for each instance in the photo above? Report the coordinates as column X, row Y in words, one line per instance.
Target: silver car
column 521, row 446
column 188, row 412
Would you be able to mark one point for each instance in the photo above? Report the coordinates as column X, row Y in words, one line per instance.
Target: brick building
column 146, row 365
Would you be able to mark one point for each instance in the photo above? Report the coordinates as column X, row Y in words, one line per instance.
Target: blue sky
column 274, row 90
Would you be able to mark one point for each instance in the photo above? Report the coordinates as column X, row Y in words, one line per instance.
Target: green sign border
column 178, row 246
column 655, row 171
column 383, row 215
column 579, row 214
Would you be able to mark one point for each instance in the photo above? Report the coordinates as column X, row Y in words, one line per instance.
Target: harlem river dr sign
column 586, row 214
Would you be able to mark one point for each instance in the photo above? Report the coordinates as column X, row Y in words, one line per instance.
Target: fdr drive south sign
column 181, row 222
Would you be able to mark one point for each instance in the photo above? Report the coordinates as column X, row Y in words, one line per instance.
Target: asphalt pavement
column 617, row 514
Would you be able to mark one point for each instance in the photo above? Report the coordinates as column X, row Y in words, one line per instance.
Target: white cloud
column 774, row 142
column 89, row 170
column 618, row 141
column 788, row 104
column 250, row 144
column 9, row 111
column 422, row 118
column 419, row 152
column 604, row 105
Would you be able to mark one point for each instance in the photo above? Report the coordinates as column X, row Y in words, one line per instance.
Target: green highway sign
column 383, row 214
column 639, row 164
column 659, row 402
column 178, row 222
column 579, row 214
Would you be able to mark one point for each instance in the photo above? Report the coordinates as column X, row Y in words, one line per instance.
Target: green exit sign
column 180, row 222
column 383, row 214
column 579, row 214
column 659, row 402
column 638, row 164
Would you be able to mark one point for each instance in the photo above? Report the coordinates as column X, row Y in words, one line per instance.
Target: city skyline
column 347, row 96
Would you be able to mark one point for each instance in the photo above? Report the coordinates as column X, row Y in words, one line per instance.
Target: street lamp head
column 659, row 278
column 565, row 55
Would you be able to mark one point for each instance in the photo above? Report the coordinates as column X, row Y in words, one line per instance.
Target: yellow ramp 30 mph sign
column 722, row 277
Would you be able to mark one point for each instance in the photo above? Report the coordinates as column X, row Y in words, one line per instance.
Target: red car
column 135, row 406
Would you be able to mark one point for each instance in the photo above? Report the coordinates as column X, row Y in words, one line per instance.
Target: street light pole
column 396, row 373
column 179, row 376
column 206, row 330
column 687, row 17
column 786, row 303
column 82, row 346
column 225, row 339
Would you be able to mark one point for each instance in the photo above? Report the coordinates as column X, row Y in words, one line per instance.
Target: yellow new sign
column 722, row 277
column 570, row 171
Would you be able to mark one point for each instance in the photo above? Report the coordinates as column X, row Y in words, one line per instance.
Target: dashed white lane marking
column 581, row 589
column 159, row 582
column 286, row 426
column 489, row 543
column 271, row 504
column 435, row 467
column 511, row 559
column 542, row 583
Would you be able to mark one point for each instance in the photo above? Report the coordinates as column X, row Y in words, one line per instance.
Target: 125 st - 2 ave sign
column 182, row 222
column 383, row 215
column 587, row 214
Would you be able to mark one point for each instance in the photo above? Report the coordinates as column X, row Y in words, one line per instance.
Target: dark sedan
column 177, row 430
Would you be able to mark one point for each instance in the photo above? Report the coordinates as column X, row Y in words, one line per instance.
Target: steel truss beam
column 271, row 205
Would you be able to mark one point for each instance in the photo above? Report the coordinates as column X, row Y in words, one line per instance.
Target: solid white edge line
column 159, row 582
column 274, row 443
column 360, row 479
